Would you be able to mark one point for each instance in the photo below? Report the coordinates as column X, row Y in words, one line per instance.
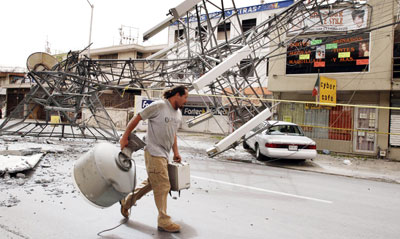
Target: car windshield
column 285, row 130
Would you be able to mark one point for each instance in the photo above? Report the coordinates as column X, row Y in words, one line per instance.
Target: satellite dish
column 40, row 61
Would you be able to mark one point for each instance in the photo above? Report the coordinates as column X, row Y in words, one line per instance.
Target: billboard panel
column 333, row 20
column 328, row 55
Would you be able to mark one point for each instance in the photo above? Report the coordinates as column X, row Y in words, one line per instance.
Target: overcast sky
column 26, row 25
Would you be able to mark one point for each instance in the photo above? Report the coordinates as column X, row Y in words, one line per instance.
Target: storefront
column 346, row 129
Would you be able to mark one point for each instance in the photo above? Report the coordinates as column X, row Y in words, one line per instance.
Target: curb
column 265, row 163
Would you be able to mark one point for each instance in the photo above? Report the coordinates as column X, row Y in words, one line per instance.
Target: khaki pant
column 158, row 181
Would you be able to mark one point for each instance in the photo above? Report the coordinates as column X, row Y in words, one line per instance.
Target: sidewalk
column 365, row 168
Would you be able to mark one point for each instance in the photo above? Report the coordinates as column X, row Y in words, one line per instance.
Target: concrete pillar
column 383, row 121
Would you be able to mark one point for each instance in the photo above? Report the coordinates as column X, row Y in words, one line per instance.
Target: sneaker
column 173, row 227
column 124, row 211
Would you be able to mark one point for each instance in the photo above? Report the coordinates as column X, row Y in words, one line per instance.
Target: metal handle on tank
column 123, row 162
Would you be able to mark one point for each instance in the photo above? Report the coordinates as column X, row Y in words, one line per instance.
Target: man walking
column 164, row 117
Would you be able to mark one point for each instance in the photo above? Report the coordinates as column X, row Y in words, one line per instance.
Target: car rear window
column 285, row 130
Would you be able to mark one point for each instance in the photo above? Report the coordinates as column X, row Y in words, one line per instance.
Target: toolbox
column 179, row 175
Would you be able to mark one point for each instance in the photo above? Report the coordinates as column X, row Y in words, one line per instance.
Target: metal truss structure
column 67, row 88
column 222, row 71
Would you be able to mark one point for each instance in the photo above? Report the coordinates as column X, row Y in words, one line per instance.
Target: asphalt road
column 227, row 199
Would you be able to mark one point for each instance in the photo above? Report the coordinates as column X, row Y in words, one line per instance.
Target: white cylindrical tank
column 104, row 175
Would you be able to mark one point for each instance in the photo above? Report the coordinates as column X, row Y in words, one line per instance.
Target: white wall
column 208, row 126
column 118, row 116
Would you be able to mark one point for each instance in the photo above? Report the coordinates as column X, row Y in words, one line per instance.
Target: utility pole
column 90, row 31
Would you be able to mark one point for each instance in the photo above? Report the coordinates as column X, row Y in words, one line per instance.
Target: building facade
column 14, row 84
column 361, row 62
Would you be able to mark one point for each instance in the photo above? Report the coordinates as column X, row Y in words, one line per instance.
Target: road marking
column 258, row 189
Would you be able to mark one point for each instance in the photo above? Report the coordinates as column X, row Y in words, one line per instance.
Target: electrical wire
column 125, row 219
column 113, row 228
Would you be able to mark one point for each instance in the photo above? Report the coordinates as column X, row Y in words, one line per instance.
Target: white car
column 280, row 140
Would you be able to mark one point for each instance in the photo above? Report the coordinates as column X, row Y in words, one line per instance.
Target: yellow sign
column 327, row 89
column 344, row 54
column 304, row 57
column 287, row 118
column 55, row 119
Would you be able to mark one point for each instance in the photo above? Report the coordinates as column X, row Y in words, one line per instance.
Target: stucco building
column 363, row 61
column 13, row 86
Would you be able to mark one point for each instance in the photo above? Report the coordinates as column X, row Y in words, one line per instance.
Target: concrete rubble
column 18, row 157
column 13, row 164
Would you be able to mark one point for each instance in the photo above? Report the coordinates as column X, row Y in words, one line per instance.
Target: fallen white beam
column 198, row 119
column 176, row 12
column 158, row 28
column 161, row 53
column 237, row 134
column 232, row 60
column 54, row 108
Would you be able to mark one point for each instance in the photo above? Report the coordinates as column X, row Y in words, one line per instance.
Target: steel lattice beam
column 77, row 82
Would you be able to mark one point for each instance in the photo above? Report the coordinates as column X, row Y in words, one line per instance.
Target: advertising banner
column 243, row 10
column 198, row 110
column 142, row 102
column 328, row 54
column 334, row 20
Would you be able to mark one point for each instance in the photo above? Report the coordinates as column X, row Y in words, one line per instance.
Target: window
column 246, row 68
column 285, row 129
column 203, row 31
column 17, row 79
column 221, row 31
column 109, row 56
column 396, row 59
column 139, row 55
column 248, row 24
column 179, row 35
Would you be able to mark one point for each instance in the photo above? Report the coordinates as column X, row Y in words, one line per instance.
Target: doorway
column 366, row 121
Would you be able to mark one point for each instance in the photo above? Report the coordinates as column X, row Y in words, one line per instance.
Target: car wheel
column 245, row 145
column 259, row 156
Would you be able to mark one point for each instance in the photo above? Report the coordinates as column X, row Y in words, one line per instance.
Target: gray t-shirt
column 163, row 123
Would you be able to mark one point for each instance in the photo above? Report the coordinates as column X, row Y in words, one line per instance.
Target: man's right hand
column 131, row 126
column 123, row 142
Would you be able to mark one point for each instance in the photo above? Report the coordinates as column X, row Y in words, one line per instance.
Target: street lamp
column 90, row 32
